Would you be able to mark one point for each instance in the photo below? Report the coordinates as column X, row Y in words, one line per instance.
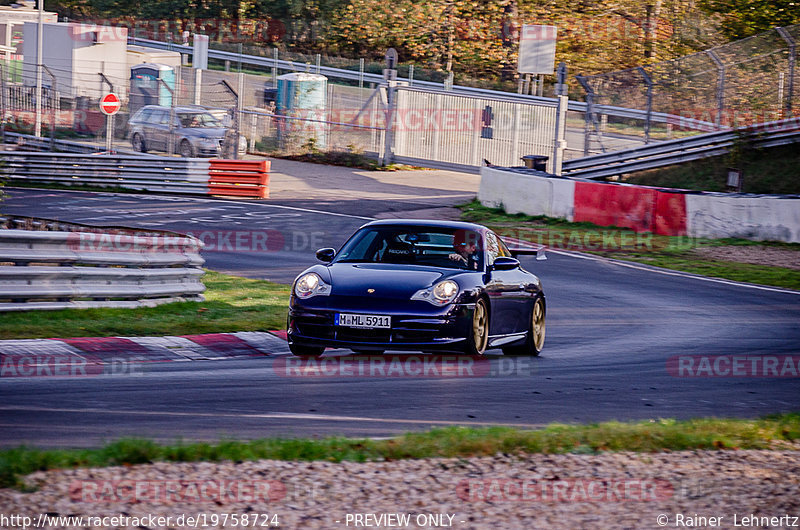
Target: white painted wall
column 525, row 193
column 757, row 218
column 76, row 53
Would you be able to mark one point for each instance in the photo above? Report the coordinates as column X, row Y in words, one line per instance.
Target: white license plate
column 363, row 321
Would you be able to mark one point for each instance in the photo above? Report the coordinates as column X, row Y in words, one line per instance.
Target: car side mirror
column 503, row 263
column 326, row 255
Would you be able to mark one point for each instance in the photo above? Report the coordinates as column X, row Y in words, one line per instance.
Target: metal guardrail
column 163, row 174
column 66, row 146
column 352, row 75
column 59, row 266
column 671, row 152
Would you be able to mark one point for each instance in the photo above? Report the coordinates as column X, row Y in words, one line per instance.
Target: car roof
column 428, row 223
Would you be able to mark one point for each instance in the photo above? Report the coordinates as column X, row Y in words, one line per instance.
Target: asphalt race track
column 611, row 331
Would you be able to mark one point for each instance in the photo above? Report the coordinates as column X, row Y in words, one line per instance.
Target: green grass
column 772, row 432
column 621, row 243
column 772, row 170
column 232, row 304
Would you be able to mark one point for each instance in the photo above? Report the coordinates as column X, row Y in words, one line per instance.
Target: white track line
column 272, row 415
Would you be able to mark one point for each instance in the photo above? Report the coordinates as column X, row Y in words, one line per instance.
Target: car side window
column 144, row 115
column 157, row 116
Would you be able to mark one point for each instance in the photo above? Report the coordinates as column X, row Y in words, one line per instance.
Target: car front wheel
column 137, row 142
column 534, row 340
column 478, row 337
column 186, row 149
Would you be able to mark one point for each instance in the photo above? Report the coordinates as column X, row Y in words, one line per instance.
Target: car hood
column 389, row 281
column 213, row 133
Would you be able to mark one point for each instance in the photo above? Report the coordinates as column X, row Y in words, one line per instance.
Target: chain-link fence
column 754, row 80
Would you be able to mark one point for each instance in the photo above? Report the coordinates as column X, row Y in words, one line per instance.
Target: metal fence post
column 2, row 106
column 588, row 116
column 792, row 59
column 235, row 95
column 53, row 99
column 388, row 154
column 560, row 143
column 649, row 108
column 275, row 68
column 720, row 85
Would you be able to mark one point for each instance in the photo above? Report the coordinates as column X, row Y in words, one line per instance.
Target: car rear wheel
column 534, row 340
column 478, row 337
column 137, row 142
column 186, row 150
column 306, row 351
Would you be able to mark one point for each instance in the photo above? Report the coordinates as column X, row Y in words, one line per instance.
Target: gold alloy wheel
column 480, row 327
column 537, row 325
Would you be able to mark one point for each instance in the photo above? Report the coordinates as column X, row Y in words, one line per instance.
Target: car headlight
column 310, row 284
column 440, row 294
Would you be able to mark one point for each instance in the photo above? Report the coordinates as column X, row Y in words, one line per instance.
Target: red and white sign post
column 109, row 105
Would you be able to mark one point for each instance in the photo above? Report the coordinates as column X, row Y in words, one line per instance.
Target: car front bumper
column 413, row 327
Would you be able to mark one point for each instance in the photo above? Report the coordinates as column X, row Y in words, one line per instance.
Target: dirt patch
column 756, row 255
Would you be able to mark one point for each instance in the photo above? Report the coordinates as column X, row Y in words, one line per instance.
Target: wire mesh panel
column 746, row 82
column 464, row 131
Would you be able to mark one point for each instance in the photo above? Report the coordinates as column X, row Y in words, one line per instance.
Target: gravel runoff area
column 756, row 254
column 573, row 491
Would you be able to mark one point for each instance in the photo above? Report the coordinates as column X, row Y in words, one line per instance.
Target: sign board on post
column 110, row 104
column 537, row 49
column 200, row 52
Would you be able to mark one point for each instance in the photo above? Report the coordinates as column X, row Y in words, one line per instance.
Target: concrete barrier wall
column 641, row 208
column 526, row 193
column 758, row 218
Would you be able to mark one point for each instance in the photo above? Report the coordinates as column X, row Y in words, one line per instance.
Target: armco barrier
column 242, row 178
column 643, row 209
column 54, row 265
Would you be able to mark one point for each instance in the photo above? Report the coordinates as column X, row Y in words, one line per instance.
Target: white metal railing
column 54, row 265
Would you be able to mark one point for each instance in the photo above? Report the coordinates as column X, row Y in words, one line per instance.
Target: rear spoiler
column 529, row 251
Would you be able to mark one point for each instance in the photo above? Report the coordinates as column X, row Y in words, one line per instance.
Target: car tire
column 186, row 150
column 534, row 340
column 137, row 142
column 478, row 337
column 301, row 350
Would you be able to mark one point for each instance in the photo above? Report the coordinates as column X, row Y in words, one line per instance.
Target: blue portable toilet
column 145, row 89
column 303, row 95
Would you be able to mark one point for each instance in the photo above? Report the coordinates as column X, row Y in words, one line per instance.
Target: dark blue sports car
column 418, row 285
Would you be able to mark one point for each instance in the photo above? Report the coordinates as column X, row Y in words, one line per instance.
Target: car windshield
column 448, row 248
column 198, row 119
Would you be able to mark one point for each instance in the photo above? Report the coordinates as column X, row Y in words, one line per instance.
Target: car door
column 507, row 289
column 161, row 128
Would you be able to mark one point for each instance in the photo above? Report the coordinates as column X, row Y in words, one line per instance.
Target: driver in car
column 465, row 245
